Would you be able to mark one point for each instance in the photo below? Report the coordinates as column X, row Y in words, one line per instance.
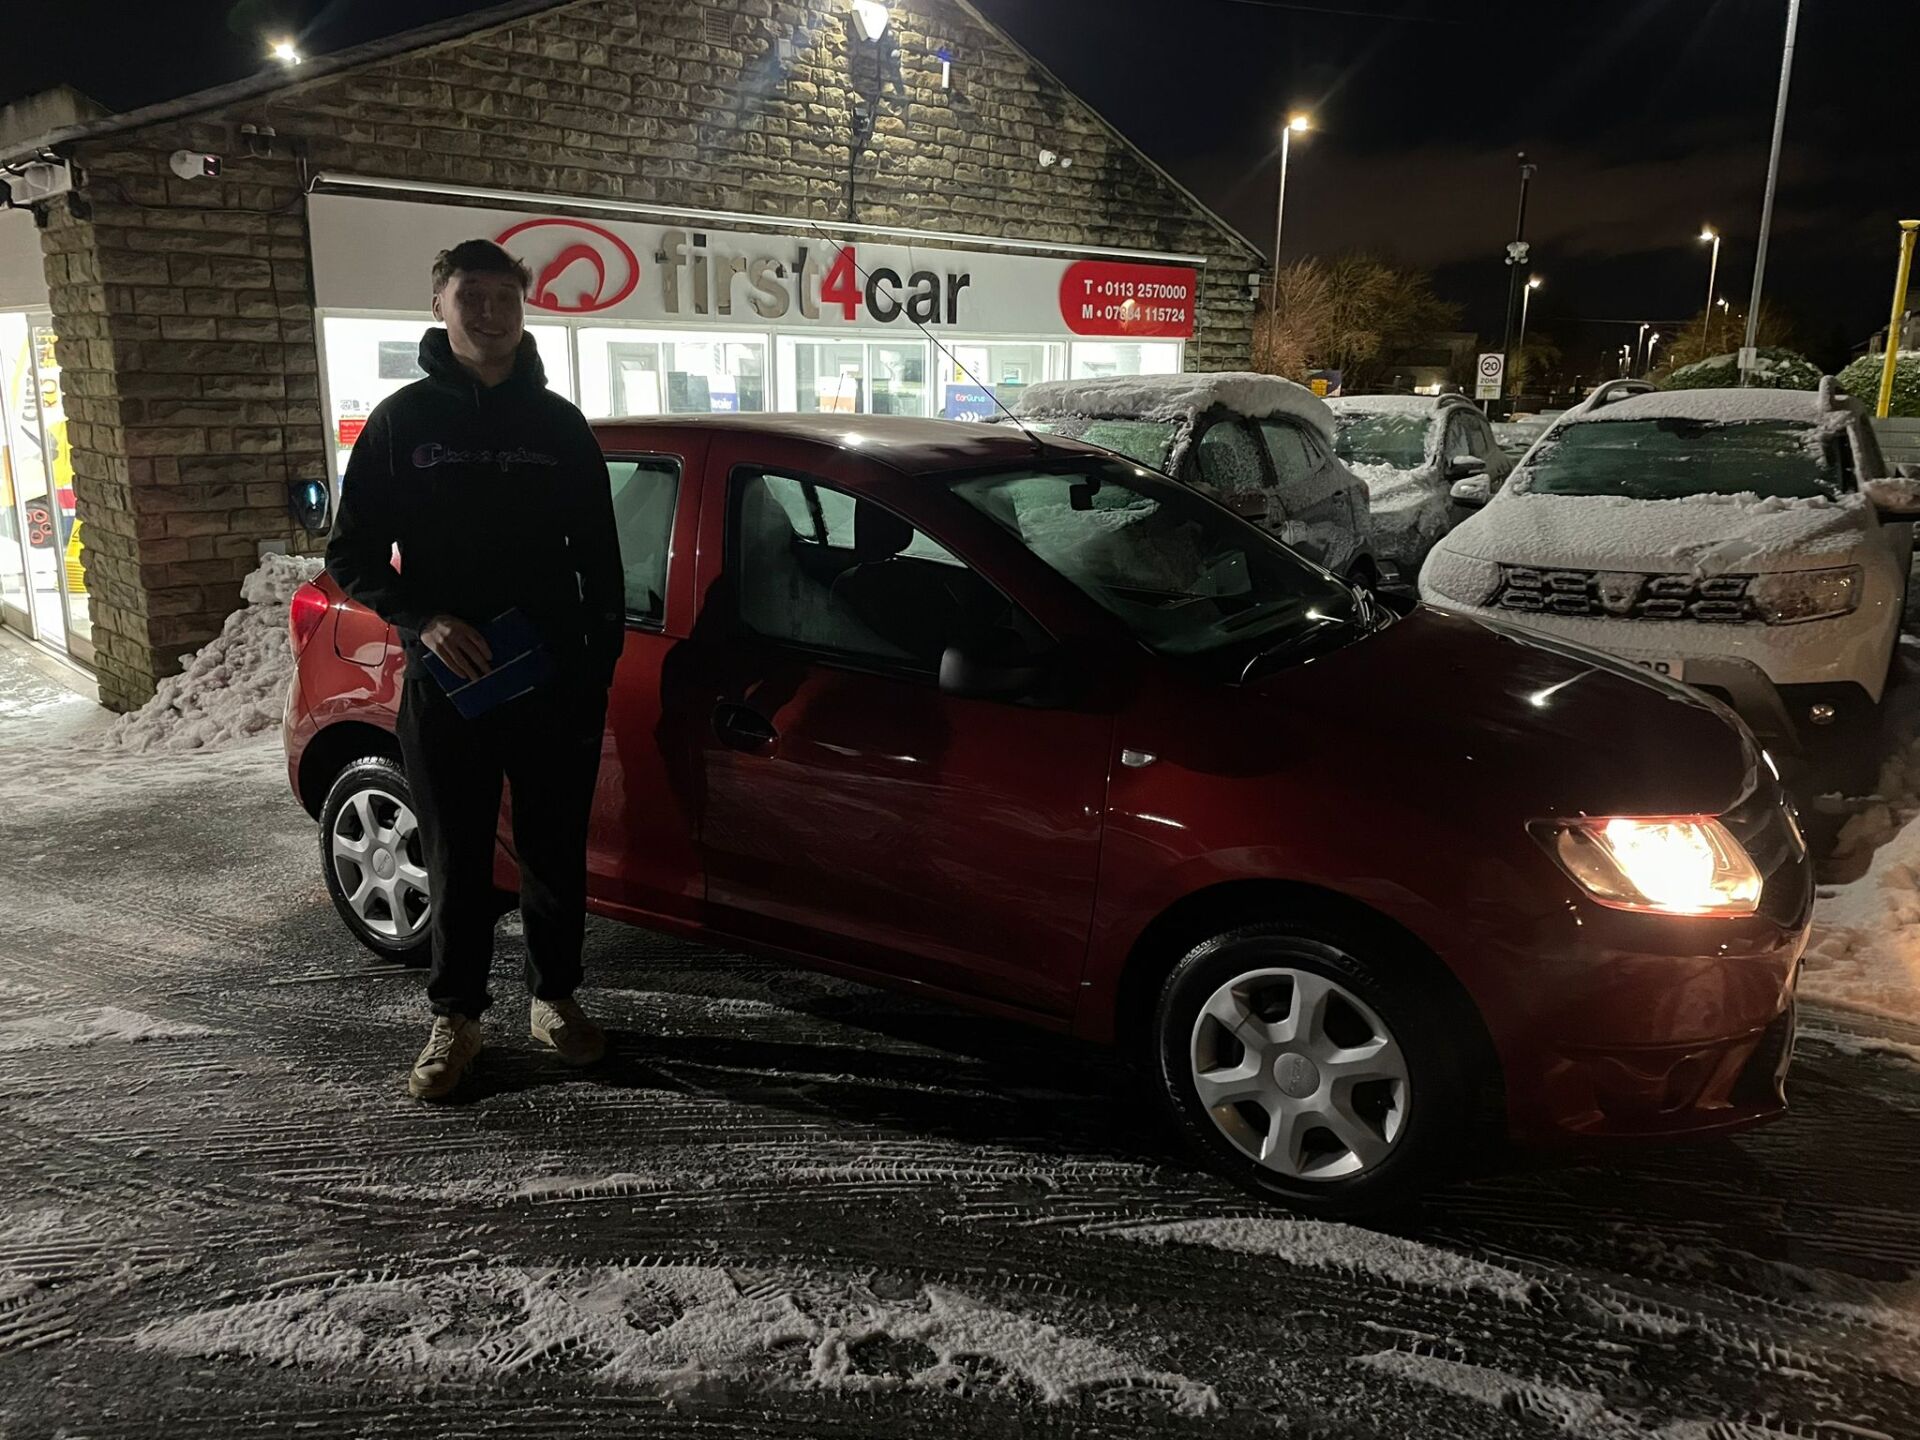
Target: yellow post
column 1907, row 231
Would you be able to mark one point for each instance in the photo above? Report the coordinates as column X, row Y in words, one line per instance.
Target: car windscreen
column 1150, row 442
column 1670, row 458
column 1184, row 575
column 1381, row 438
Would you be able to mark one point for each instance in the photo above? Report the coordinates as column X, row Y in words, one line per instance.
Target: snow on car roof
column 1724, row 406
column 1176, row 397
column 1387, row 404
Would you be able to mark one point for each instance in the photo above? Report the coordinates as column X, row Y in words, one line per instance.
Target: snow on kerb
column 1176, row 398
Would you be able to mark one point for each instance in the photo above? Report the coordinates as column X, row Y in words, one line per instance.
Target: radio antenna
column 1039, row 445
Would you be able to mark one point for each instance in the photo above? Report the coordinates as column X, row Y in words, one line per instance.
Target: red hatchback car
column 1014, row 722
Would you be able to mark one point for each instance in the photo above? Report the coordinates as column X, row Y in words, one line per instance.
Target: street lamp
column 1520, row 346
column 1645, row 325
column 1298, row 123
column 1652, row 340
column 1707, row 232
column 1773, row 180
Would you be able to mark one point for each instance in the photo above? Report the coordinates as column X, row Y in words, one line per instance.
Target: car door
column 854, row 811
column 642, row 854
column 1318, row 493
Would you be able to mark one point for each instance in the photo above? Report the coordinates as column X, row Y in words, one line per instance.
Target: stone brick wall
column 184, row 311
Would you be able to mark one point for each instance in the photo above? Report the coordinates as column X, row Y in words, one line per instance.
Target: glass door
column 16, row 599
column 46, row 536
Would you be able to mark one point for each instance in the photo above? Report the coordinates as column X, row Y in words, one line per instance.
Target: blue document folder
column 521, row 663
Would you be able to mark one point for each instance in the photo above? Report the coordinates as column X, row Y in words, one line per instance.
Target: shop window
column 640, row 372
column 1095, row 359
column 852, row 377
column 976, row 374
column 368, row 360
column 42, row 573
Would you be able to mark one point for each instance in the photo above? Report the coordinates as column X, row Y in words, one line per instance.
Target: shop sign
column 969, row 402
column 1100, row 297
column 372, row 254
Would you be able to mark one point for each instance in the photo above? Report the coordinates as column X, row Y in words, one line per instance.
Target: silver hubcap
column 376, row 859
column 1299, row 1074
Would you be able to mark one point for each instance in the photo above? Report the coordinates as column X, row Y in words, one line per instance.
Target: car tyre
column 372, row 861
column 1338, row 1077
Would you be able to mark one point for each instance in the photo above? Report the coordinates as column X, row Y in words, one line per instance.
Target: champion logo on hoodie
column 426, row 456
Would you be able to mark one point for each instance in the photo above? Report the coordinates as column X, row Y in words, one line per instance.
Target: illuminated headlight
column 1805, row 595
column 1460, row 578
column 1687, row 866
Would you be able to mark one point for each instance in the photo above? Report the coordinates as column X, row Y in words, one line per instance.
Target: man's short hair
column 478, row 257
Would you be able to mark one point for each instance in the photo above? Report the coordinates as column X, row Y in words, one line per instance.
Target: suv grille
column 1621, row 595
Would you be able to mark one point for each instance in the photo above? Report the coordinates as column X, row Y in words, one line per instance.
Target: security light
column 285, row 51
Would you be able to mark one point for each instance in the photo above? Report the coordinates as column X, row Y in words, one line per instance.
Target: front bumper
column 1632, row 1026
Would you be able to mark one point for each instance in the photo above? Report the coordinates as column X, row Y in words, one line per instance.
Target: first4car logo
column 578, row 268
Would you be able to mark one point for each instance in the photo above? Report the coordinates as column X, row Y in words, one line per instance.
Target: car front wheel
column 1311, row 1071
column 371, row 855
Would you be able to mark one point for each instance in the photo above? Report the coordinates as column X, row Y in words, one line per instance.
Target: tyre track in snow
column 786, row 1124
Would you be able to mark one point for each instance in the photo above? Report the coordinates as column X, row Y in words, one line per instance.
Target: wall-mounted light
column 285, row 51
column 870, row 18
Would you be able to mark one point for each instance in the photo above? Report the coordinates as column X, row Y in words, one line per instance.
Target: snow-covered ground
column 790, row 1205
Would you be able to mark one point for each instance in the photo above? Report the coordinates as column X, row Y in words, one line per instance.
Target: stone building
column 732, row 205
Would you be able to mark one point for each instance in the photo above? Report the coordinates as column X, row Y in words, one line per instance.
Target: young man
column 496, row 495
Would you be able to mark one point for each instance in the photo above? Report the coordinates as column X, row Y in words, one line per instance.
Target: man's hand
column 461, row 648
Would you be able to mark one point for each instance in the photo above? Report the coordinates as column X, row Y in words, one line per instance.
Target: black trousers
column 546, row 746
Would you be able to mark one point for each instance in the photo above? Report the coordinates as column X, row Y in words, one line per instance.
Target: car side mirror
column 1895, row 500
column 975, row 672
column 1461, row 467
column 1474, row 490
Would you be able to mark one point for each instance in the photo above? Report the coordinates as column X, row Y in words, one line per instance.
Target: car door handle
column 741, row 727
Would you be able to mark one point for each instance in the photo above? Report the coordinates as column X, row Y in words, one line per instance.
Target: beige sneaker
column 450, row 1049
column 565, row 1026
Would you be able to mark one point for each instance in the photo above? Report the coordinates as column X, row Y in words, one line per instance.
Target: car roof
column 908, row 444
column 1393, row 404
column 1178, row 398
column 1725, row 406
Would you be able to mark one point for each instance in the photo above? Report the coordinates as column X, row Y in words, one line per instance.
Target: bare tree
column 1350, row 313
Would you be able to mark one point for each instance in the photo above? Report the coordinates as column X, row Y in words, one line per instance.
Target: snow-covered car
column 1261, row 445
column 1410, row 449
column 1747, row 542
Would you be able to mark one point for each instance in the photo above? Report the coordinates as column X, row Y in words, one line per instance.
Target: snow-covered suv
column 1410, row 449
column 1747, row 542
column 1261, row 445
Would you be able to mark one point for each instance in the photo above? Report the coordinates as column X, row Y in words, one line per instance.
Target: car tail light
column 304, row 614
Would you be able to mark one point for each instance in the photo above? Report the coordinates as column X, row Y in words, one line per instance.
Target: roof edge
column 268, row 82
column 1213, row 216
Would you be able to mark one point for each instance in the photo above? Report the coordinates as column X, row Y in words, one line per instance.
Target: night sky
column 1646, row 118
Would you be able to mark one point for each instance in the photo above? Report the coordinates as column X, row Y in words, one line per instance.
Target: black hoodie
column 497, row 497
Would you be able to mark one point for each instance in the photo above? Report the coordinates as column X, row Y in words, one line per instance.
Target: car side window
column 1293, row 455
column 645, row 489
column 1873, row 461
column 843, row 577
column 1230, row 459
column 1460, row 440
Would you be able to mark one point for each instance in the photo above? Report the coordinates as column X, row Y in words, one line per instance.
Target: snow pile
column 1177, row 397
column 1327, row 1245
column 671, row 1328
column 71, row 1028
column 236, row 684
column 1865, row 950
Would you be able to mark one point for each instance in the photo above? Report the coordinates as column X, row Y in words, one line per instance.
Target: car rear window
column 1146, row 442
column 1669, row 459
column 1395, row 439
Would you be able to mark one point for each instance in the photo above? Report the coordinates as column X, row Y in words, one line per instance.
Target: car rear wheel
column 371, row 855
column 1311, row 1071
